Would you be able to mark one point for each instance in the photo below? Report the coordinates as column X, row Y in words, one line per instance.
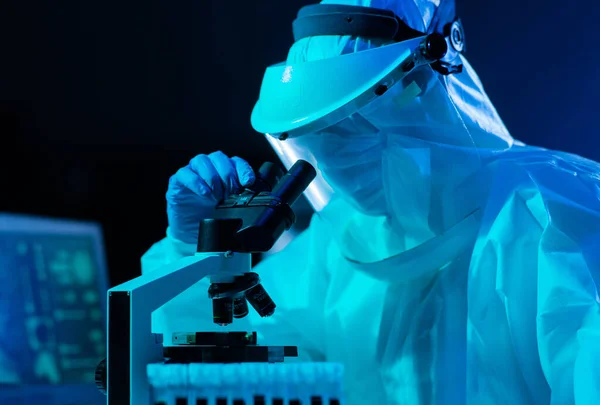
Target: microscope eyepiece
column 294, row 182
column 267, row 177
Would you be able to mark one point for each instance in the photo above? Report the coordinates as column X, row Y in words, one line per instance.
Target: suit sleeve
column 568, row 309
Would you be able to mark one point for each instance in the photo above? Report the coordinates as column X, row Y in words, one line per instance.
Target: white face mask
column 389, row 174
column 372, row 171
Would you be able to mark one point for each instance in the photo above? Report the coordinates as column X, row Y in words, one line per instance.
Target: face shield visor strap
column 382, row 24
column 355, row 21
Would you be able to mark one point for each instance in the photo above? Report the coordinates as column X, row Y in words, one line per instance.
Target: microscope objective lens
column 260, row 301
column 240, row 307
column 223, row 311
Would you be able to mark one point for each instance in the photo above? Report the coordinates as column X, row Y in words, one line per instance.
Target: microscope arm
column 131, row 343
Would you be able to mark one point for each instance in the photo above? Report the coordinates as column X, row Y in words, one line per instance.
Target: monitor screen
column 52, row 303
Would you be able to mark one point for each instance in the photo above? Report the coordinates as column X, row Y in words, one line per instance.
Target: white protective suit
column 474, row 286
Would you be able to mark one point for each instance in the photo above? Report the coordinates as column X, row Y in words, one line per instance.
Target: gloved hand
column 196, row 189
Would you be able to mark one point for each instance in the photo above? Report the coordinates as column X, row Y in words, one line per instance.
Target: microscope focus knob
column 100, row 376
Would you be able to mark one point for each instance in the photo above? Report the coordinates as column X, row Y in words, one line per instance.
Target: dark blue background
column 101, row 101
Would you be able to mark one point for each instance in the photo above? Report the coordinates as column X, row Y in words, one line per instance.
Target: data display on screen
column 52, row 327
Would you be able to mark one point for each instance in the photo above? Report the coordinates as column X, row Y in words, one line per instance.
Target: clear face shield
column 390, row 148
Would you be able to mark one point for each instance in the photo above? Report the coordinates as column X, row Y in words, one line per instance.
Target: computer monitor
column 53, row 282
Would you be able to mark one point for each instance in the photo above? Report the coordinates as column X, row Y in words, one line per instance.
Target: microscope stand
column 131, row 343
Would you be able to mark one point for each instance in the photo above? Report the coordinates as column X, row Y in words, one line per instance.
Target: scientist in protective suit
column 447, row 263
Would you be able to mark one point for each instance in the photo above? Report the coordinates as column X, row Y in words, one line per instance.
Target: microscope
column 245, row 223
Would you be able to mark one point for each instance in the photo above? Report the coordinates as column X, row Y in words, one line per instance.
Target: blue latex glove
column 197, row 188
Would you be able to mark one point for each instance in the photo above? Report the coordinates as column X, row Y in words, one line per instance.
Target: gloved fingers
column 226, row 169
column 204, row 167
column 244, row 171
column 186, row 179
